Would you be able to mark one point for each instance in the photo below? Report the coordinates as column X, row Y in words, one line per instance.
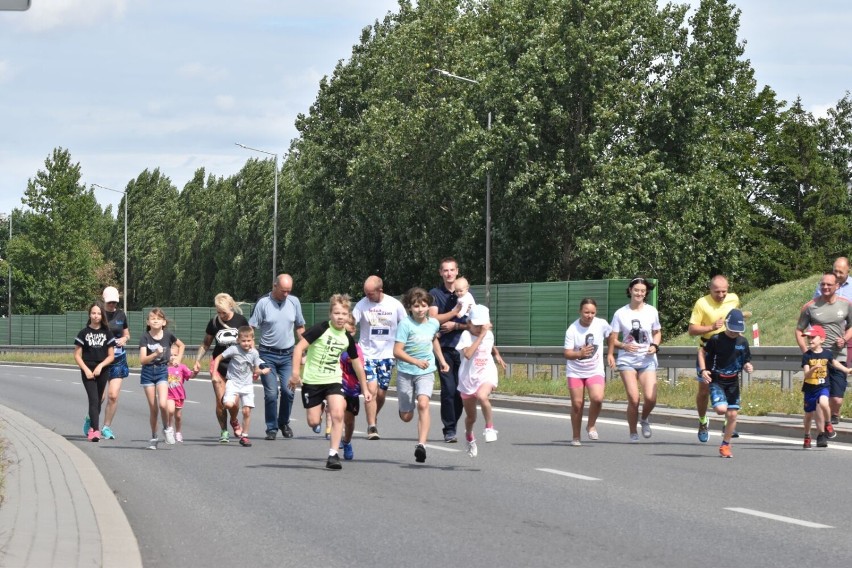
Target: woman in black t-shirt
column 223, row 329
column 116, row 319
column 94, row 349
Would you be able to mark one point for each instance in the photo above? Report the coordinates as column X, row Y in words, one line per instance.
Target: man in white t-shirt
column 377, row 316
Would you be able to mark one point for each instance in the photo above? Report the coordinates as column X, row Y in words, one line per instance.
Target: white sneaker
column 593, row 434
column 646, row 427
column 490, row 435
column 634, row 437
column 170, row 435
column 471, row 448
column 575, row 442
column 152, row 443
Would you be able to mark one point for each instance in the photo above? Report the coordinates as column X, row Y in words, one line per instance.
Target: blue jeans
column 451, row 402
column 277, row 413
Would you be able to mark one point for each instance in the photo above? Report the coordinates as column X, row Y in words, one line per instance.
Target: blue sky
column 130, row 84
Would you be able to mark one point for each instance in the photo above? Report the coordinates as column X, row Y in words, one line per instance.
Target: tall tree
column 57, row 263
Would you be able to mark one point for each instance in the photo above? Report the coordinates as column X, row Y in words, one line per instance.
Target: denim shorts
column 119, row 369
column 154, row 374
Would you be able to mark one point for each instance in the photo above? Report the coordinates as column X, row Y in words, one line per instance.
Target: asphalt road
column 529, row 499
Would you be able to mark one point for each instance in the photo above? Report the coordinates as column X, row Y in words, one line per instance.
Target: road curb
column 31, row 441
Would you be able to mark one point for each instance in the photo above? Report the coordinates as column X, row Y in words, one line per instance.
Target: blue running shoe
column 87, row 425
column 107, row 434
column 348, row 452
column 703, row 432
column 735, row 433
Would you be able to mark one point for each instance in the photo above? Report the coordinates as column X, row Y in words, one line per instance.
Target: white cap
column 110, row 294
column 479, row 315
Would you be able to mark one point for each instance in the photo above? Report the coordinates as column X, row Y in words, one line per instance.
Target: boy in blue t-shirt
column 416, row 349
column 721, row 360
column 815, row 387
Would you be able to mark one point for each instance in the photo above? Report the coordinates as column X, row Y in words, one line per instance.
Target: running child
column 178, row 374
column 584, row 366
column 351, row 394
column 323, row 378
column 94, row 351
column 155, row 352
column 477, row 375
column 721, row 360
column 243, row 368
column 815, row 362
column 416, row 347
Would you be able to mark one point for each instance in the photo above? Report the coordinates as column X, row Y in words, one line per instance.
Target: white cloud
column 46, row 15
column 197, row 70
column 820, row 111
column 224, row 102
column 5, row 71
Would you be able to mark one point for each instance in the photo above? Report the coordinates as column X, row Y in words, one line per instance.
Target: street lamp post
column 274, row 210
column 487, row 196
column 9, row 261
column 125, row 236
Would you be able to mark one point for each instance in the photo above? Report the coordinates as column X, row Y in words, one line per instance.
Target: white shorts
column 245, row 393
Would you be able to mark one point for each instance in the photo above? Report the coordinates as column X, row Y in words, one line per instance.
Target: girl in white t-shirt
column 477, row 375
column 638, row 324
column 584, row 366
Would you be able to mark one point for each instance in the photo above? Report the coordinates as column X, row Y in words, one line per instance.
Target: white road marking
column 780, row 518
column 441, row 448
column 567, row 474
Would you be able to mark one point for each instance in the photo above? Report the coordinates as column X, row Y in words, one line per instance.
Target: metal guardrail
column 785, row 362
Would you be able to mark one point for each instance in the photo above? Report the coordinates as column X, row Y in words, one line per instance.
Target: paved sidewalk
column 58, row 508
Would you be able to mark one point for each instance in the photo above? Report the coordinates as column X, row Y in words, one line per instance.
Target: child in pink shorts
column 178, row 375
column 584, row 367
column 477, row 375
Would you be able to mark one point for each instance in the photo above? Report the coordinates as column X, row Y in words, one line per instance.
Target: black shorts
column 313, row 395
column 836, row 381
column 353, row 404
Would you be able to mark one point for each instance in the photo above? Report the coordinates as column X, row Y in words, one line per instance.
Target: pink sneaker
column 94, row 435
column 179, row 437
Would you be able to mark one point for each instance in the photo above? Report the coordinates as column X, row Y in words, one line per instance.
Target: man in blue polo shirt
column 278, row 317
column 445, row 309
column 844, row 285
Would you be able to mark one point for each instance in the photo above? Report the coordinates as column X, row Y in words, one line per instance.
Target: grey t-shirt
column 835, row 318
column 241, row 364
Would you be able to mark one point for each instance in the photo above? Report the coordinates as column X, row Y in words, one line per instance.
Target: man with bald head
column 708, row 319
column 377, row 316
column 844, row 285
column 279, row 320
column 834, row 313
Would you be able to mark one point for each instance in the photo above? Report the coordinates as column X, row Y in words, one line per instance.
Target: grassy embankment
column 775, row 310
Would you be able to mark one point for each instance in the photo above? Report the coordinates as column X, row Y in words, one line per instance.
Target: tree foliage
column 625, row 137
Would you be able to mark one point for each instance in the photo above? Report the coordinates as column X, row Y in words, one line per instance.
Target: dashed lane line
column 780, row 518
column 567, row 474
